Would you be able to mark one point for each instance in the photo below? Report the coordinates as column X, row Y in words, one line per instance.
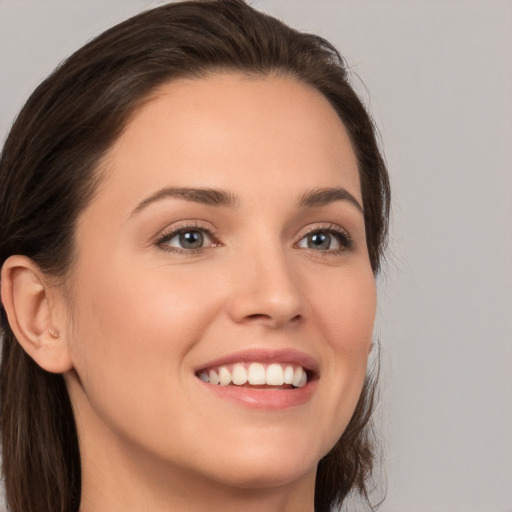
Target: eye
column 187, row 239
column 332, row 239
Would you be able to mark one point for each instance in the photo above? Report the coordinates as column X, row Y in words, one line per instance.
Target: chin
column 268, row 464
column 267, row 474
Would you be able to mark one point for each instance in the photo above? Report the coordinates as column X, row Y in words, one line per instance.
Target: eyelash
column 184, row 228
column 343, row 237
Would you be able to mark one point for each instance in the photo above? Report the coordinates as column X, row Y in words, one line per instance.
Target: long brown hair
column 48, row 174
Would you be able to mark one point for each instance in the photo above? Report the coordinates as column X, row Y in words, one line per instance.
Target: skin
column 143, row 316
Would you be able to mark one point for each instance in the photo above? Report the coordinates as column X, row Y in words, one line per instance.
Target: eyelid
column 330, row 228
column 183, row 226
column 175, row 229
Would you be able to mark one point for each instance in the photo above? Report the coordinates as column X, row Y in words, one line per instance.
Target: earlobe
column 34, row 319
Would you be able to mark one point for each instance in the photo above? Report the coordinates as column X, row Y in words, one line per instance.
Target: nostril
column 273, row 321
column 258, row 316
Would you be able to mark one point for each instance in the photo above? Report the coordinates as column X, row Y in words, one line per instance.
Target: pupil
column 191, row 239
column 319, row 241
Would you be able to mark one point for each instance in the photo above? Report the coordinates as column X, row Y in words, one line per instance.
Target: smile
column 247, row 374
column 262, row 379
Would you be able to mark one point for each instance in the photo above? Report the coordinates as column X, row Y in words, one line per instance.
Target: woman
column 193, row 212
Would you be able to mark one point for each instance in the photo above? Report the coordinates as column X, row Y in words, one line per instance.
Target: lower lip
column 267, row 399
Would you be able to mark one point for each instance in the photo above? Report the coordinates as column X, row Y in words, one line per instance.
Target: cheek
column 134, row 315
column 347, row 317
column 134, row 328
column 134, row 331
column 348, row 311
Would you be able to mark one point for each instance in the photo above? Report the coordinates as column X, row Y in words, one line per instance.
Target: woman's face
column 226, row 242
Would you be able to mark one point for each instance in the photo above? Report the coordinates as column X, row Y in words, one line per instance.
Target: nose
column 266, row 291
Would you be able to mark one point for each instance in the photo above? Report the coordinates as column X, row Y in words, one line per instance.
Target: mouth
column 257, row 375
column 262, row 379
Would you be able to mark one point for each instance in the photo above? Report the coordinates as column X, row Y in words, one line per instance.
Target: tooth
column 239, row 374
column 274, row 376
column 288, row 375
column 303, row 379
column 204, row 377
column 297, row 376
column 214, row 377
column 256, row 374
column 224, row 376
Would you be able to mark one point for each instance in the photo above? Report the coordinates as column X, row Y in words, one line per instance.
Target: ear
column 36, row 321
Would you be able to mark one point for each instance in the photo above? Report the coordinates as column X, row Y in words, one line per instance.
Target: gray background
column 438, row 78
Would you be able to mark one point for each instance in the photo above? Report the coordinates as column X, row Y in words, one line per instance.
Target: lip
column 256, row 355
column 264, row 399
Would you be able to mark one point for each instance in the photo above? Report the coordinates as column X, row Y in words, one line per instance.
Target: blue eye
column 190, row 239
column 332, row 239
column 187, row 239
column 320, row 241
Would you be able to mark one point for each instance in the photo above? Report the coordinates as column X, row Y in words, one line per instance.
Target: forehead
column 228, row 129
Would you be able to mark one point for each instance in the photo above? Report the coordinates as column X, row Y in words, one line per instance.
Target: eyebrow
column 324, row 196
column 209, row 196
column 217, row 197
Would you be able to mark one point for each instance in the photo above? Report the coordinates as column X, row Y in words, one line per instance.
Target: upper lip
column 259, row 355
